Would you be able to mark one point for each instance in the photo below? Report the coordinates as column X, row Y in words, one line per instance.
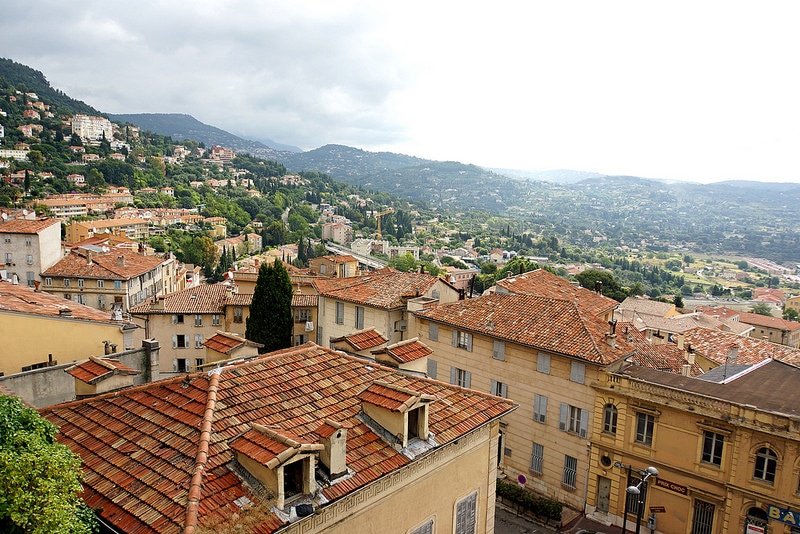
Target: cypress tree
column 270, row 320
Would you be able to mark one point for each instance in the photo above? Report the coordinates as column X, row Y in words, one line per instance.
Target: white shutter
column 493, row 387
column 433, row 331
column 175, row 365
column 175, row 342
column 543, row 363
column 469, row 342
column 499, row 351
column 468, row 381
column 432, row 368
column 455, row 338
column 577, row 372
column 504, row 390
column 584, row 423
column 453, row 371
column 563, row 416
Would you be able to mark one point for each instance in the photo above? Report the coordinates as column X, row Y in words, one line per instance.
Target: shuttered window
column 499, row 351
column 543, row 363
column 537, row 459
column 425, row 528
column 466, row 514
column 460, row 377
column 577, row 372
column 499, row 388
column 432, row 368
column 340, row 313
column 539, row 408
column 433, row 331
column 573, row 419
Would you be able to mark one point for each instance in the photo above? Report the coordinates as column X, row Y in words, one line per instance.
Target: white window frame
column 540, row 408
column 716, row 444
column 499, row 389
column 460, row 377
column 339, row 312
column 610, row 418
column 574, row 420
column 215, row 319
column 101, row 283
column 644, row 436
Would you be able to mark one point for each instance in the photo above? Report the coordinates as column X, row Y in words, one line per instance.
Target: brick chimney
column 121, row 261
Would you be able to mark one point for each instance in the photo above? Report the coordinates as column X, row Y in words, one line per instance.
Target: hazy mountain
column 25, row 78
column 559, row 176
column 272, row 143
column 436, row 183
column 180, row 126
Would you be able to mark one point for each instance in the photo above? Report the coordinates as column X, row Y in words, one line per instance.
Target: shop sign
column 658, row 510
column 666, row 484
column 783, row 515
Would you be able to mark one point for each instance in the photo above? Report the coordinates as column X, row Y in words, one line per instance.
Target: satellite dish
column 522, row 479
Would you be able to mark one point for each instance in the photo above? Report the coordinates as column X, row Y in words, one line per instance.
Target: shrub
column 529, row 501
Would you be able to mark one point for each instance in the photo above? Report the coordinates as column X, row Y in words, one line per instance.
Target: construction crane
column 378, row 217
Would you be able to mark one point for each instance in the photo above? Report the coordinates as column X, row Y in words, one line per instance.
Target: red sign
column 658, row 510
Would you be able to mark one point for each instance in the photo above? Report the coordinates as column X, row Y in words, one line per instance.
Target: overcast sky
column 695, row 90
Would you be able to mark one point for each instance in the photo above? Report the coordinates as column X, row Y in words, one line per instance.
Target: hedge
column 528, row 501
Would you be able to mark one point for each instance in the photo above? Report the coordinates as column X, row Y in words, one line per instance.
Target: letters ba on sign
column 785, row 516
column 666, row 484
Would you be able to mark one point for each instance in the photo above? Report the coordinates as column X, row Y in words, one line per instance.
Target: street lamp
column 637, row 491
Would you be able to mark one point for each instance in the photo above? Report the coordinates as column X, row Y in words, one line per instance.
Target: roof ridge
column 196, row 484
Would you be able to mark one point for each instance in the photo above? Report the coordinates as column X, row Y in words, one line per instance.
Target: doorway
column 603, row 493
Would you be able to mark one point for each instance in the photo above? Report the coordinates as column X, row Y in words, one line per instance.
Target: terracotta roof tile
column 386, row 288
column 546, row 284
column 23, row 226
column 406, row 351
column 118, row 264
column 225, row 342
column 201, row 299
column 139, row 445
column 766, row 321
column 396, row 399
column 304, row 301
column 543, row 323
column 716, row 345
column 95, row 369
column 663, row 357
column 363, row 339
column 23, row 299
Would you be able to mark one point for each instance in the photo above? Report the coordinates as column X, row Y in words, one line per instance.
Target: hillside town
column 421, row 379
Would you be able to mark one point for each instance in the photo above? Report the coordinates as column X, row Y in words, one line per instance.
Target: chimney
column 89, row 257
column 680, row 341
column 611, row 340
column 733, row 354
column 686, row 369
column 36, row 285
column 121, row 261
column 598, row 286
column 334, row 437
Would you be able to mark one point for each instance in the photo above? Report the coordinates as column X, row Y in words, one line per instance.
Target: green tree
column 405, row 262
column 270, row 321
column 790, row 314
column 609, row 284
column 761, row 308
column 40, row 479
column 678, row 301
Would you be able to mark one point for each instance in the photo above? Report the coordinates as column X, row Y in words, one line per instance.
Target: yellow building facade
column 727, row 453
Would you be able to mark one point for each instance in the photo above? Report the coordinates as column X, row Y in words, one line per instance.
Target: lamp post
column 637, row 491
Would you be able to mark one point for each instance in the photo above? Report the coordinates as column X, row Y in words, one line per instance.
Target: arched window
column 766, row 465
column 610, row 419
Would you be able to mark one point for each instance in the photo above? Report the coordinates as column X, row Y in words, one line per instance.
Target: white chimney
column 334, row 437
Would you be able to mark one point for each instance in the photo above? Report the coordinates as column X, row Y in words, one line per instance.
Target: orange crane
column 378, row 217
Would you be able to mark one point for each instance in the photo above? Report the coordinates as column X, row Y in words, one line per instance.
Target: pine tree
column 270, row 321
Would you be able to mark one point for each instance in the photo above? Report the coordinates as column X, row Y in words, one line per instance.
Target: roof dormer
column 409, row 355
column 100, row 375
column 333, row 436
column 401, row 413
column 279, row 461
column 359, row 342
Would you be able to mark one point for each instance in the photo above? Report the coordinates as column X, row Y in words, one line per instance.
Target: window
column 703, row 517
column 101, row 302
column 498, row 388
column 712, row 447
column 359, row 317
column 33, row 366
column 570, row 472
column 7, row 240
column 180, row 365
column 632, row 501
column 117, row 284
column 198, row 362
column 198, row 319
column 577, row 372
column 179, row 341
column 30, row 276
column 8, row 258
column 237, row 314
column 101, row 283
column 610, row 419
column 425, row 528
column 462, row 340
column 543, row 363
column 340, row 313
column 28, row 241
column 573, row 419
column 499, row 351
column 644, row 428
column 433, row 331
column 539, row 408
column 80, row 297
column 66, row 282
column 460, row 377
column 177, row 319
column 29, row 259
column 466, row 514
column 80, row 282
column 766, row 465
column 48, row 281
column 537, row 459
column 302, row 315
column 432, row 368
column 215, row 319
column 198, row 341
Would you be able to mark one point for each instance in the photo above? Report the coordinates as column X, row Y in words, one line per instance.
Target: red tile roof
column 387, row 288
column 226, row 342
column 142, row 447
column 201, row 299
column 406, row 351
column 766, row 321
column 22, row 226
column 271, row 446
column 720, row 312
column 542, row 323
column 96, row 369
column 715, row 345
column 304, row 301
column 23, row 299
column 546, row 284
column 119, row 264
column 333, row 258
column 663, row 357
column 392, row 397
column 363, row 339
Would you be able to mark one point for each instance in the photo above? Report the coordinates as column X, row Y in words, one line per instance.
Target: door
column 603, row 493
